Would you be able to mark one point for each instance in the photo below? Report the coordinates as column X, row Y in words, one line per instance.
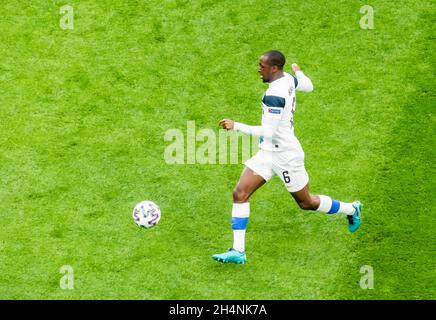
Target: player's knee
column 240, row 196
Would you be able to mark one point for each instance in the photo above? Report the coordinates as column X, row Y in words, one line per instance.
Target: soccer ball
column 146, row 214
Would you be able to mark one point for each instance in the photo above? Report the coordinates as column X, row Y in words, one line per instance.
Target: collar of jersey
column 278, row 81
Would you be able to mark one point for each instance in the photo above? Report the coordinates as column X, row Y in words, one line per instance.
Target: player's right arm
column 270, row 123
column 266, row 130
column 303, row 83
column 273, row 104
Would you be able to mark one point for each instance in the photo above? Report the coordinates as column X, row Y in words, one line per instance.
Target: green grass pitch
column 84, row 111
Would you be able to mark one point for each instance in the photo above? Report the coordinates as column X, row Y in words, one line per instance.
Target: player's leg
column 323, row 203
column 257, row 171
column 305, row 200
column 248, row 183
column 289, row 166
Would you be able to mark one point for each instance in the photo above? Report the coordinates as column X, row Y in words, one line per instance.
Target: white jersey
column 278, row 107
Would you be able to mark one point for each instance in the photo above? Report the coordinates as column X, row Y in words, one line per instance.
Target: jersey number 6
column 286, row 177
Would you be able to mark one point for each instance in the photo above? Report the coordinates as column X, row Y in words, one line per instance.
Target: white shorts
column 288, row 165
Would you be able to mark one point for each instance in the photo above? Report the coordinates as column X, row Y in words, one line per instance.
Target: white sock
column 240, row 214
column 329, row 205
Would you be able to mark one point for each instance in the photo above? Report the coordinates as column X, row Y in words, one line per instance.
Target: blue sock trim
column 239, row 223
column 335, row 206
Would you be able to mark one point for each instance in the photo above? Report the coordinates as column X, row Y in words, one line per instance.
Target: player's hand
column 227, row 124
column 295, row 67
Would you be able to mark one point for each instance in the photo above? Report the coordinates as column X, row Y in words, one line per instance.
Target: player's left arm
column 302, row 82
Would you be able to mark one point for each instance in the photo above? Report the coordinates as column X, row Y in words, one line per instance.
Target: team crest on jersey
column 274, row 111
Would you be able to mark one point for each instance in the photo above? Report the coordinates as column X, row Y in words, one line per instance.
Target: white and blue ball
column 146, row 214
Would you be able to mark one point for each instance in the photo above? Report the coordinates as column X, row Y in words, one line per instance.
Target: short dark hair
column 275, row 58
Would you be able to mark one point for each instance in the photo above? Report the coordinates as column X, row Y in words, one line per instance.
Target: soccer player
column 280, row 153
